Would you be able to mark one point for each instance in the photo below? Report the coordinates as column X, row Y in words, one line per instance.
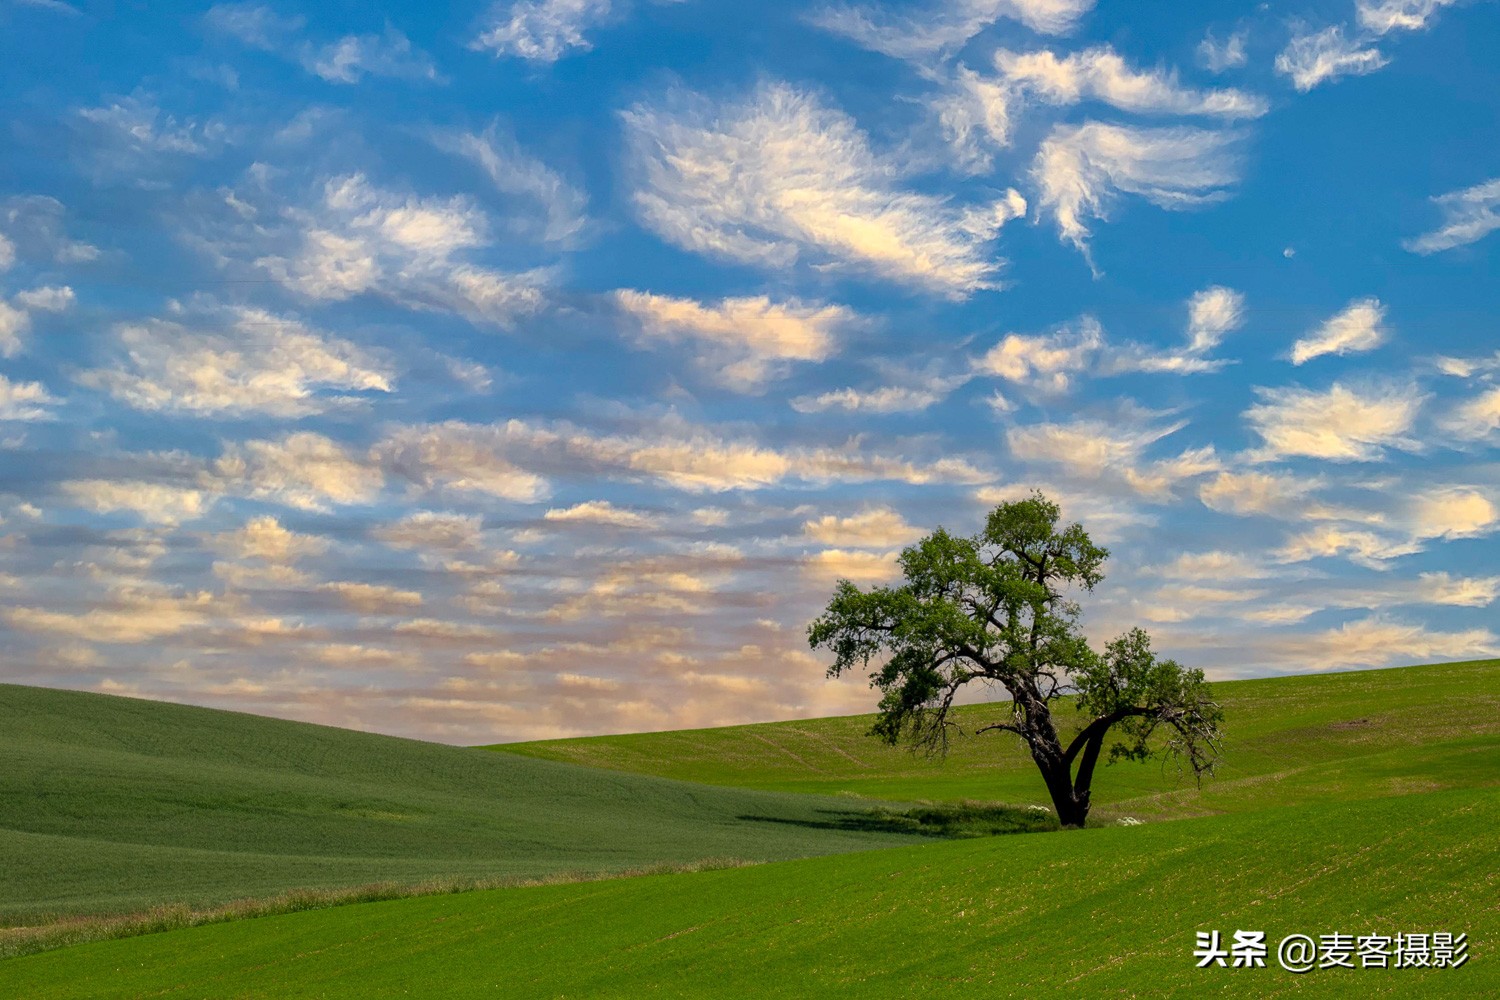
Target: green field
column 1289, row 740
column 1357, row 803
column 115, row 804
column 1106, row 912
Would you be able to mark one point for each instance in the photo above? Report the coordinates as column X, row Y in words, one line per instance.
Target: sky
column 481, row 373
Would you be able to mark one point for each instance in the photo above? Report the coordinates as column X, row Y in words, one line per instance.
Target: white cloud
column 1216, row 56
column 858, row 567
column 1082, row 168
column 256, row 362
column 1246, row 493
column 1461, row 591
column 1475, row 419
column 744, row 342
column 136, row 125
column 1341, row 424
column 946, row 28
column 1468, row 215
column 1311, row 59
column 48, row 298
column 778, row 178
column 373, row 598
column 1366, row 548
column 354, row 56
column 24, row 401
column 1383, row 16
column 1451, row 512
column 1212, row 313
column 1101, row 74
column 1217, row 566
column 516, row 173
column 127, row 615
column 264, row 538
column 876, row 528
column 430, row 530
column 508, row 459
column 541, row 30
column 15, row 316
column 1046, row 363
column 303, row 470
column 1378, row 641
column 254, row 24
column 156, row 503
column 407, row 248
column 34, row 229
column 600, row 512
column 1095, row 449
column 974, row 113
column 885, row 399
column 1439, row 513
column 1359, row 327
column 345, row 60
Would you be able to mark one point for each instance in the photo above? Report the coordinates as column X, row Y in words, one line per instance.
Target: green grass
column 1363, row 802
column 1302, row 739
column 1102, row 912
column 111, row 805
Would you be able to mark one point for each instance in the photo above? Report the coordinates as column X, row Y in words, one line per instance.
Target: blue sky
column 498, row 372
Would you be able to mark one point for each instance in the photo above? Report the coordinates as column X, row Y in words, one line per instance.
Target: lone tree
column 993, row 607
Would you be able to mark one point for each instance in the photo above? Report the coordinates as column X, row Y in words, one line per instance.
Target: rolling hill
column 1361, row 803
column 1301, row 739
column 113, row 804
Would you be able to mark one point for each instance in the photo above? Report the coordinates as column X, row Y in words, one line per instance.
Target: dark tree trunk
column 1069, row 797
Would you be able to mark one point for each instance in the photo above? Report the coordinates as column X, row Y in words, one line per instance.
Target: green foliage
column 994, row 607
column 1103, row 912
column 110, row 805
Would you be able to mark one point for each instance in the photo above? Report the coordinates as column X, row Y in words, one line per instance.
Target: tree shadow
column 948, row 821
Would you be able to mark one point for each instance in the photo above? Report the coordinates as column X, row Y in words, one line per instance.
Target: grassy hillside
column 1301, row 739
column 1106, row 912
column 113, row 804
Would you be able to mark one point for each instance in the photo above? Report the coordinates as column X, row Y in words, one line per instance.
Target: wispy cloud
column 1101, row 74
column 874, row 528
column 1314, row 58
column 1212, row 314
column 1340, row 424
column 1096, row 450
column 779, row 177
column 600, row 512
column 741, row 343
column 516, row 173
column 413, row 250
column 1474, row 419
column 1047, row 362
column 345, row 60
column 1216, row 56
column 1360, row 326
column 353, row 57
column 1469, row 215
column 24, row 401
column 16, row 315
column 511, row 458
column 946, row 28
column 1082, row 169
column 304, row 470
column 1378, row 640
column 1383, row 16
column 237, row 362
column 540, row 30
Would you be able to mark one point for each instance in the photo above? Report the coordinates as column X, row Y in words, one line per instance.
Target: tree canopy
column 996, row 607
